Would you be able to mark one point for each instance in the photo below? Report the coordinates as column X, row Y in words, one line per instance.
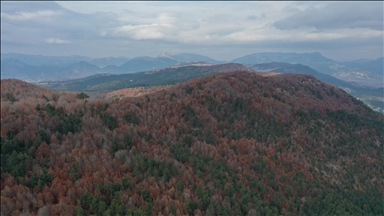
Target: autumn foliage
column 233, row 143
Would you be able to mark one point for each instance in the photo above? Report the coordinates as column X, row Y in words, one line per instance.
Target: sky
column 342, row 31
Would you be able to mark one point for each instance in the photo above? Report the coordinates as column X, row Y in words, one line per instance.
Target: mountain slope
column 188, row 57
column 37, row 68
column 361, row 72
column 299, row 69
column 21, row 90
column 13, row 68
column 145, row 63
column 103, row 62
column 36, row 60
column 370, row 73
column 374, row 97
column 80, row 69
column 156, row 77
column 374, row 66
column 233, row 143
column 314, row 60
column 16, row 69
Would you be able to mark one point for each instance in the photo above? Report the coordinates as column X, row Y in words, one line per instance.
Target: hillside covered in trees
column 234, row 143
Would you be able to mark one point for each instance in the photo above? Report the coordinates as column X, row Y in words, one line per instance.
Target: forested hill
column 169, row 75
column 233, row 143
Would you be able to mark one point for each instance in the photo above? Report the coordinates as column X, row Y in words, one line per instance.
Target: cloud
column 142, row 32
column 335, row 16
column 154, row 27
column 252, row 17
column 40, row 19
column 56, row 41
column 147, row 28
column 28, row 6
column 30, row 15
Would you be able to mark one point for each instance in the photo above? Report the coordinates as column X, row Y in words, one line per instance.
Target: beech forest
column 233, row 143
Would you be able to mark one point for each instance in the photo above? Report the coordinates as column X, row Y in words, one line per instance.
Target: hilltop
column 374, row 97
column 232, row 143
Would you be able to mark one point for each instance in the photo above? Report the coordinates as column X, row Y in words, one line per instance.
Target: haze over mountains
column 40, row 68
column 367, row 73
column 361, row 78
column 166, row 76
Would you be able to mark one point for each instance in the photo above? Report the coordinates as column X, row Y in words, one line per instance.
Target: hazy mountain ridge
column 375, row 66
column 170, row 75
column 36, row 60
column 298, row 69
column 180, row 72
column 103, row 62
column 361, row 72
column 364, row 74
column 313, row 60
column 13, row 68
column 233, row 143
column 34, row 68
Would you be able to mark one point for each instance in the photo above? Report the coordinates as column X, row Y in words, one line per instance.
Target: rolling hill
column 233, row 143
column 170, row 75
column 35, row 68
column 365, row 73
column 314, row 60
column 374, row 97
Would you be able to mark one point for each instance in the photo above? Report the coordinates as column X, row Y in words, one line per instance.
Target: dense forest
column 234, row 143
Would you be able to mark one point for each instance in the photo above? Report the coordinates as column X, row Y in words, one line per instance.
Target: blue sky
column 222, row 30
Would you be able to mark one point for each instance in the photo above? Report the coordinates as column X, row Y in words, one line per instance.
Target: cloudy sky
column 222, row 30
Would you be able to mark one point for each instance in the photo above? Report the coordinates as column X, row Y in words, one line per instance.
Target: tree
column 126, row 183
column 179, row 186
column 73, row 172
column 109, row 120
column 115, row 145
column 131, row 117
column 172, row 209
column 9, row 97
column 79, row 211
column 95, row 204
column 102, row 207
column 85, row 200
column 191, row 206
column 82, row 96
column 128, row 141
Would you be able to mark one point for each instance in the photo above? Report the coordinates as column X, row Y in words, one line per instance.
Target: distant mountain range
column 34, row 68
column 365, row 73
column 13, row 68
column 375, row 66
column 165, row 76
column 37, row 60
column 314, row 60
column 299, row 69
